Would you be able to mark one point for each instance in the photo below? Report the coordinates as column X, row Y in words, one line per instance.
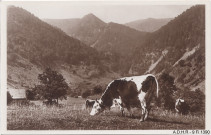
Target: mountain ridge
column 149, row 24
column 34, row 45
column 178, row 37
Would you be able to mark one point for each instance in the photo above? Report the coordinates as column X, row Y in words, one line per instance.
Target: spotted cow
column 181, row 106
column 136, row 91
column 89, row 103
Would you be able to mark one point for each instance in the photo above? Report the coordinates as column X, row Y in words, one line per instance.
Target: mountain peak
column 92, row 19
column 90, row 16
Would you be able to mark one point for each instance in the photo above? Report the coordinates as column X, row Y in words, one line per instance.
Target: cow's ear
column 96, row 100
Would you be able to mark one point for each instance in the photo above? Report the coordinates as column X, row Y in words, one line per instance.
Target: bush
column 86, row 94
column 98, row 89
column 167, row 88
column 30, row 94
column 73, row 94
column 182, row 63
column 195, row 99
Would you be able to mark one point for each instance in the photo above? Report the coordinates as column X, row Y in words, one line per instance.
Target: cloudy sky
column 108, row 12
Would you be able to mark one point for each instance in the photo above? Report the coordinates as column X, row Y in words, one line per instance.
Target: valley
column 88, row 51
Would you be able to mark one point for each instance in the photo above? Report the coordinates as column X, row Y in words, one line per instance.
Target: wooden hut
column 18, row 96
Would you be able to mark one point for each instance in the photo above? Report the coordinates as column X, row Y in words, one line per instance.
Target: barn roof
column 17, row 93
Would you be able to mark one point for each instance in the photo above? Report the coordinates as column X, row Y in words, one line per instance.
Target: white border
column 3, row 66
column 3, row 108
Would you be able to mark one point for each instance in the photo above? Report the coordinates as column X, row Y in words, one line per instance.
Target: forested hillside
column 43, row 44
column 177, row 48
column 34, row 45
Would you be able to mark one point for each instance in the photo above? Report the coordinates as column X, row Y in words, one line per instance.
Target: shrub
column 86, row 94
column 30, row 94
column 195, row 99
column 98, row 89
column 167, row 88
column 182, row 63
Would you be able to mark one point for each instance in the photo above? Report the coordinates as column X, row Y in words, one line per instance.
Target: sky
column 108, row 12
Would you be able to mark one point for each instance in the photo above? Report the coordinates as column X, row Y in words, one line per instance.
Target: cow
column 89, row 103
column 136, row 91
column 181, row 106
column 49, row 102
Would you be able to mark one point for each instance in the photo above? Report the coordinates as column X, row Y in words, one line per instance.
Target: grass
column 72, row 115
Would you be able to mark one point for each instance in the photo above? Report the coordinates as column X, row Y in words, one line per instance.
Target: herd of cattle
column 130, row 92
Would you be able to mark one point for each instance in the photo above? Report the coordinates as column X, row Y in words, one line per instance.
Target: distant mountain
column 103, row 36
column 177, row 48
column 148, row 25
column 34, row 45
column 65, row 25
column 86, row 29
column 114, row 41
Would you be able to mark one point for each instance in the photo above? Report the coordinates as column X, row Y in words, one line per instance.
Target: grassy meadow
column 72, row 115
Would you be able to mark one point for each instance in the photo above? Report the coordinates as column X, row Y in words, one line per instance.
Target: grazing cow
column 49, row 102
column 181, row 106
column 89, row 103
column 134, row 91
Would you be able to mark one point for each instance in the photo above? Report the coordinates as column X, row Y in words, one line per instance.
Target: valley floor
column 72, row 115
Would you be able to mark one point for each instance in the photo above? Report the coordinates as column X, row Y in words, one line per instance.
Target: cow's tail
column 156, row 86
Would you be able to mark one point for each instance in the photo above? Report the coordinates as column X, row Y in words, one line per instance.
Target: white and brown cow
column 89, row 103
column 181, row 106
column 136, row 91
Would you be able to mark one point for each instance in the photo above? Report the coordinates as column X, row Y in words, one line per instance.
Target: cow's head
column 97, row 107
column 178, row 104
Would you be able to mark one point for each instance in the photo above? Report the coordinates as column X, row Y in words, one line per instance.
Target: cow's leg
column 143, row 111
column 148, row 108
column 122, row 110
column 146, row 114
column 129, row 110
column 142, row 100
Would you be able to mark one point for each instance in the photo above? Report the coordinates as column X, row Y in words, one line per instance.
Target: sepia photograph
column 105, row 66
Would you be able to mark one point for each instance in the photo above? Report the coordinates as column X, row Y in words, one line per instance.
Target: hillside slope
column 177, row 48
column 148, row 25
column 34, row 45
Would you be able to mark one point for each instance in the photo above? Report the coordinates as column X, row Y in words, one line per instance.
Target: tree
column 30, row 94
column 53, row 86
column 98, row 89
column 167, row 89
